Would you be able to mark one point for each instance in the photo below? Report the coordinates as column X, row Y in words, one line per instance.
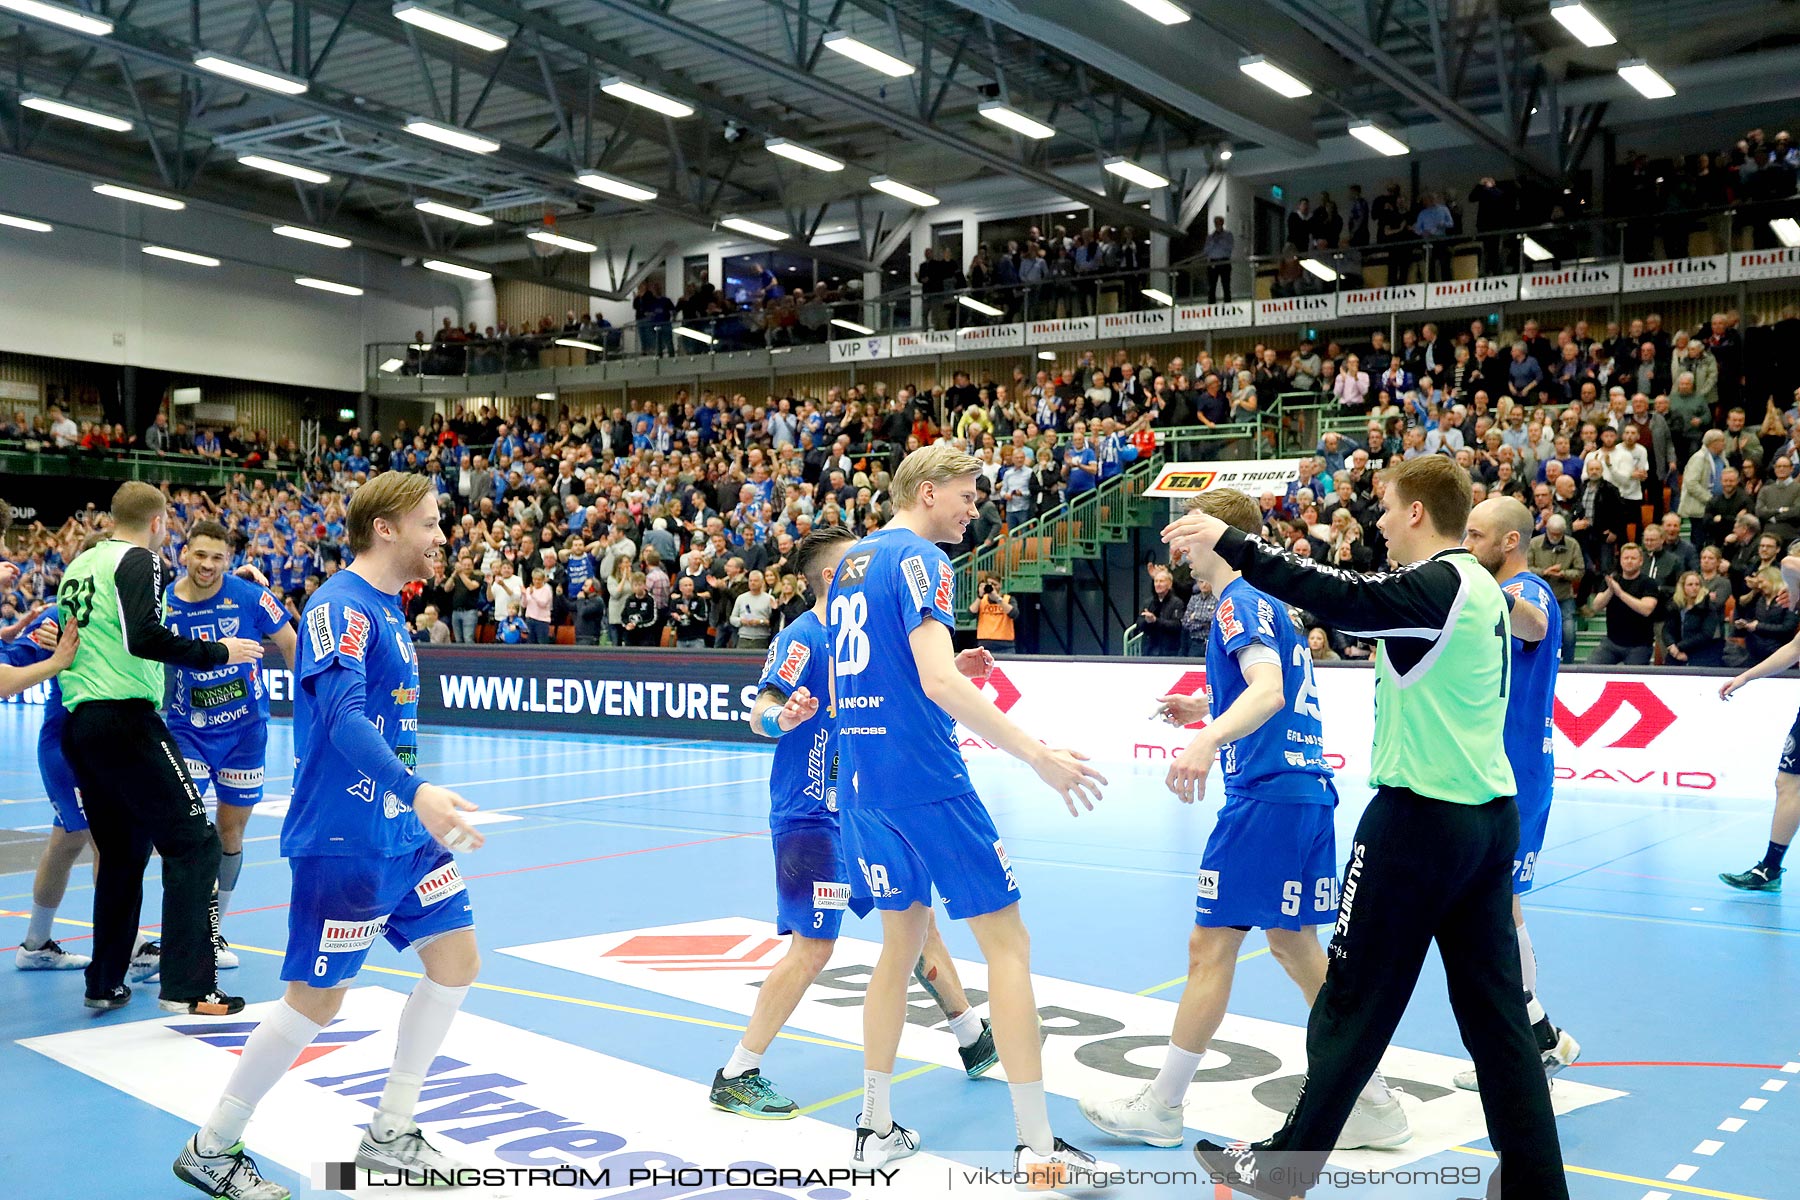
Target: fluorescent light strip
column 546, row 395
column 197, row 260
column 390, row 365
column 705, row 339
column 1046, row 356
column 1273, row 77
column 1315, row 267
column 450, row 135
column 60, row 14
column 756, row 229
column 1534, row 249
column 74, row 112
column 557, row 239
column 25, row 223
column 1376, row 138
column 275, row 166
column 312, row 235
column 249, row 73
column 852, row 326
column 1001, row 114
column 1642, row 76
column 578, row 344
column 1161, row 11
column 1124, row 168
column 612, row 185
column 867, row 55
column 452, row 212
column 986, row 310
column 1576, row 17
column 623, row 89
column 326, row 285
column 903, row 191
column 137, row 197
column 800, row 154
column 1161, row 297
column 457, row 269
column 432, row 20
column 1787, row 231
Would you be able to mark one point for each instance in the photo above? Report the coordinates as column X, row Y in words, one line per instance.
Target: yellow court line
column 1662, row 1184
column 1169, row 983
column 810, row 1109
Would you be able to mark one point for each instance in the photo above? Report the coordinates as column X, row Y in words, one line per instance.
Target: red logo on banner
column 1191, row 683
column 1653, row 716
column 1001, row 690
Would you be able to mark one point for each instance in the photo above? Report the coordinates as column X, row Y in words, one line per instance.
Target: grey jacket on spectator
column 1565, row 554
column 1778, row 506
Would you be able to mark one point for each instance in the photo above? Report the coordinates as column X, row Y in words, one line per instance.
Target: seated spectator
column 1694, row 634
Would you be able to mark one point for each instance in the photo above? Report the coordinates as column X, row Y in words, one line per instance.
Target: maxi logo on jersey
column 495, row 1096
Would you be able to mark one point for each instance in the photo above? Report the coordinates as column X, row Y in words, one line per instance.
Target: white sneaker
column 50, row 957
column 1139, row 1117
column 1556, row 1059
column 224, row 957
column 146, row 962
column 409, row 1155
column 1375, row 1126
column 231, row 1174
column 878, row 1150
column 1066, row 1169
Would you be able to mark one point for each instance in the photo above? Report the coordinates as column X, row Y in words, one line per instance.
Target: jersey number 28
column 851, row 650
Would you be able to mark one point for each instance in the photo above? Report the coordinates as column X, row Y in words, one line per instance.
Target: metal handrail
column 140, row 465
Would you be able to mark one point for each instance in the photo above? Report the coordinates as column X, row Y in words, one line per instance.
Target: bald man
column 1499, row 533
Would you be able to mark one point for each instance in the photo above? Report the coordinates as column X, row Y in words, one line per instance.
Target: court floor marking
column 1614, row 1175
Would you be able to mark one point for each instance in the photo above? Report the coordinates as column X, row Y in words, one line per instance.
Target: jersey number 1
column 1505, row 654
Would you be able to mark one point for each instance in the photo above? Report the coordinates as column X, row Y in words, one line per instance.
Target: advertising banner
column 1595, row 280
column 1177, row 481
column 1127, row 324
column 1472, row 293
column 1677, row 272
column 1296, row 310
column 1375, row 301
column 1060, row 329
column 647, row 693
column 1193, row 314
column 981, row 337
column 1765, row 264
column 915, row 342
column 860, row 349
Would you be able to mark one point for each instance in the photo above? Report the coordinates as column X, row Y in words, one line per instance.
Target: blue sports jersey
column 224, row 696
column 896, row 748
column 1282, row 762
column 23, row 652
column 1531, row 693
column 337, row 806
column 800, row 786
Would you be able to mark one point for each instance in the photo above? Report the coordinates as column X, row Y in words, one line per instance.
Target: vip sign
column 1096, row 1041
column 859, row 349
column 497, row 1096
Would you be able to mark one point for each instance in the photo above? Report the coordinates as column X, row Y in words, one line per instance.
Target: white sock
column 38, row 931
column 268, row 1053
column 741, row 1060
column 1527, row 960
column 423, row 1024
column 1376, row 1090
column 875, row 1114
column 1171, row 1083
column 967, row 1028
column 1032, row 1117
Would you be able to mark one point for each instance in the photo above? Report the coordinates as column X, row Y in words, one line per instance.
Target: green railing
column 150, row 468
column 1134, row 642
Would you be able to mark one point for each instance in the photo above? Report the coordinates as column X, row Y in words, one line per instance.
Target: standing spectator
column 995, row 611
column 752, row 615
column 1778, row 503
column 688, row 615
column 589, row 608
column 1629, row 601
column 1694, row 635
column 1556, row 557
column 465, row 598
column 1764, row 618
column 1702, row 480
column 538, row 599
column 1219, row 248
column 641, row 620
column 1434, row 224
column 507, row 593
column 618, row 591
column 1351, row 387
column 1160, row 621
column 1718, row 522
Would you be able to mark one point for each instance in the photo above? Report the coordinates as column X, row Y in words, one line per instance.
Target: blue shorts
column 231, row 757
column 342, row 904
column 59, row 785
column 1269, row 866
column 1790, row 751
column 1534, row 819
column 951, row 844
column 812, row 881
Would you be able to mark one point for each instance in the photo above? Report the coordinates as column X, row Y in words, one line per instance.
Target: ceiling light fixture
column 25, row 223
column 624, row 189
column 450, row 135
column 623, row 89
column 251, row 74
column 578, row 344
column 1642, row 76
column 757, row 229
column 867, row 55
column 1161, row 297
column 1162, row 11
column 456, row 269
column 1315, row 267
column 275, row 166
column 61, row 14
column 1376, row 138
column 986, row 310
column 1580, row 21
column 1259, row 68
column 197, row 260
column 1001, row 113
column 452, row 212
column 137, row 197
column 561, row 242
column 852, row 326
column 447, row 26
column 903, row 191
column 74, row 112
column 300, row 234
column 390, row 365
column 326, row 285
column 1533, row 249
column 1787, row 231
column 705, row 339
column 1124, row 168
column 795, row 152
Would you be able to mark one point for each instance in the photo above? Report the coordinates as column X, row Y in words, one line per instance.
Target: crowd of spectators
column 54, row 429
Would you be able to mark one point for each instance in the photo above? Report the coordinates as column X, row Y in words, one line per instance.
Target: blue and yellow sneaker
column 750, row 1095
column 1757, row 879
column 979, row 1056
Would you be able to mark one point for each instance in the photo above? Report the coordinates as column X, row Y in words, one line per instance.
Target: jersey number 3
column 77, row 595
column 851, row 650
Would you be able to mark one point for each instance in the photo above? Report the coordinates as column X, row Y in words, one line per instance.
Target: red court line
column 573, row 862
column 1743, row 1066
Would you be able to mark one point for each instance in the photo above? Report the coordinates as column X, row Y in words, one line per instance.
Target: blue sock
column 1772, row 857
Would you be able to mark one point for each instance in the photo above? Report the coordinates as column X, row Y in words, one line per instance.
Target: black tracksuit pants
column 1424, row 870
column 137, row 795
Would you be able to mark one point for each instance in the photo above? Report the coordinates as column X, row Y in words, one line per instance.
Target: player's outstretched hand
column 66, row 646
column 9, row 574
column 249, row 571
column 242, row 650
column 46, row 635
column 1181, row 710
column 1730, row 686
column 1067, row 772
column 977, row 663
column 800, row 708
column 1194, row 534
column 1187, row 774
column 440, row 811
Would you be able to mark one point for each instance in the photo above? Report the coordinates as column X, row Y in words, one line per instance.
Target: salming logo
column 1352, row 877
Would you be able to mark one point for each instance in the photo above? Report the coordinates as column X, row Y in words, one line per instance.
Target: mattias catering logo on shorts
column 830, row 895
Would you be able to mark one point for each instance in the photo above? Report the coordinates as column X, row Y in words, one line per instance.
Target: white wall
column 87, row 291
